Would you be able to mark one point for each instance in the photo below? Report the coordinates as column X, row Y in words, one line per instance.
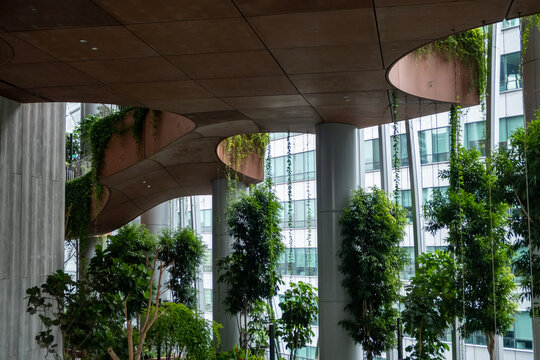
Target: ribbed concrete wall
column 31, row 215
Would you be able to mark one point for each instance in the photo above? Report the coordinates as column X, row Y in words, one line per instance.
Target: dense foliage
column 183, row 331
column 184, row 256
column 371, row 259
column 518, row 171
column 78, row 206
column 251, row 271
column 95, row 313
column 431, row 305
column 476, row 222
column 298, row 311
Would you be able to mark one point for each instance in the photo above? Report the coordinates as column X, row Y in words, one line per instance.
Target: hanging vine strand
column 308, row 223
column 289, row 202
column 395, row 148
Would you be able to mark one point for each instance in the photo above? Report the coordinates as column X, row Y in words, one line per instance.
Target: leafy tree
column 371, row 259
column 515, row 165
column 185, row 332
column 476, row 222
column 298, row 311
column 251, row 271
column 431, row 305
column 183, row 257
column 96, row 313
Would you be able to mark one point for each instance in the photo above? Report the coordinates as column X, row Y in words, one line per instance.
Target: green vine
column 99, row 132
column 395, row 147
column 467, row 47
column 529, row 23
column 289, row 202
column 238, row 147
column 78, row 206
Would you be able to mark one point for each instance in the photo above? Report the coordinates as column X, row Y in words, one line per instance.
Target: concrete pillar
column 32, row 175
column 155, row 220
column 221, row 247
column 337, row 177
column 531, row 101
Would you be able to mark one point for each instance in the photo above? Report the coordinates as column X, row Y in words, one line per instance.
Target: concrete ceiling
column 268, row 65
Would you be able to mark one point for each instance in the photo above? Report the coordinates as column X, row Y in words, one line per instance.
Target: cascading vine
column 308, row 224
column 395, row 147
column 289, row 202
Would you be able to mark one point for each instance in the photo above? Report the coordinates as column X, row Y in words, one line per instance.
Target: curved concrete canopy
column 268, row 65
column 171, row 161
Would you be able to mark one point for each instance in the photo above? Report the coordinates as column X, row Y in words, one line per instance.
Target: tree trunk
column 246, row 333
column 490, row 342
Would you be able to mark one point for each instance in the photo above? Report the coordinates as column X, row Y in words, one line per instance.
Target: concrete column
column 337, row 177
column 155, row 220
column 221, row 247
column 531, row 101
column 32, row 175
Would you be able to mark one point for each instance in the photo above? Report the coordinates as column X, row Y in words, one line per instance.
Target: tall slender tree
column 371, row 259
column 251, row 271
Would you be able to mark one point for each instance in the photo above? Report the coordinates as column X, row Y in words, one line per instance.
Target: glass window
column 300, row 210
column 507, row 126
column 207, row 300
column 510, row 72
column 206, row 221
column 402, row 149
column 433, row 248
column 304, row 261
column 406, row 203
column 520, row 334
column 475, row 136
column 510, row 23
column 372, row 155
column 427, row 193
column 408, row 271
column 303, row 167
column 434, row 145
column 207, row 261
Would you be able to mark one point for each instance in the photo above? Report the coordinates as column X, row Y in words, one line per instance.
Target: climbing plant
column 78, row 206
column 529, row 22
column 98, row 132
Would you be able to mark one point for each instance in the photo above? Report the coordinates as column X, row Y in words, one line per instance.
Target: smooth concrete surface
column 157, row 218
column 221, row 247
column 337, row 177
column 32, row 178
